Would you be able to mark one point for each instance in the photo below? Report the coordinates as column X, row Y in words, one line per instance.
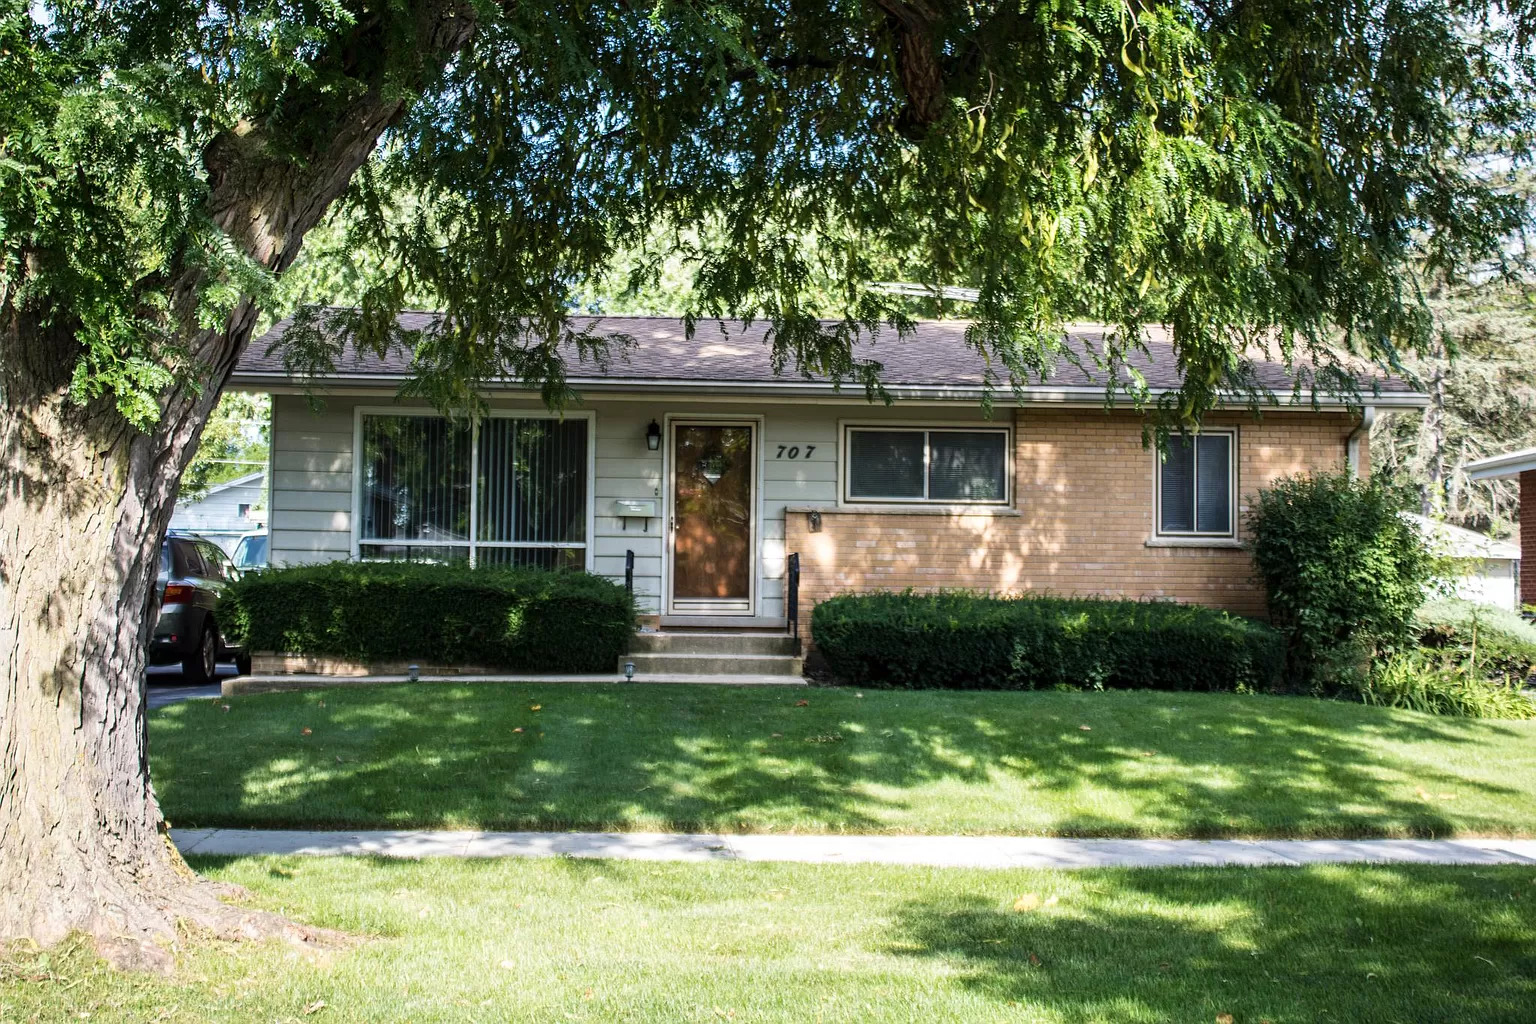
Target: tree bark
column 84, row 507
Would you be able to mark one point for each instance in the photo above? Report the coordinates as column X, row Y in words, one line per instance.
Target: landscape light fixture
column 629, row 671
column 653, row 436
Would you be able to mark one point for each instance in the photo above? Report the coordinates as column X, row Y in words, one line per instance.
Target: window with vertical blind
column 1197, row 486
column 508, row 490
column 920, row 465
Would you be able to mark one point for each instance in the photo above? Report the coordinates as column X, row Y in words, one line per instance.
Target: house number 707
column 794, row 451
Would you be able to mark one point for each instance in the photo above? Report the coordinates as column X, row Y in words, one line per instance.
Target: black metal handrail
column 629, row 573
column 792, row 597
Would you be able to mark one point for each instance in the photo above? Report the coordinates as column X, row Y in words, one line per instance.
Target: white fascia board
column 813, row 391
column 236, row 482
column 1497, row 466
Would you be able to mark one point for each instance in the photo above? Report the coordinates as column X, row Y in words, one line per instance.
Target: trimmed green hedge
column 1506, row 643
column 965, row 641
column 526, row 620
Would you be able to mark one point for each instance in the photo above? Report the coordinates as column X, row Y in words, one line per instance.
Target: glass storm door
column 713, row 469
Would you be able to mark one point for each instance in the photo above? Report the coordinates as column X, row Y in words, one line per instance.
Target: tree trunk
column 85, row 503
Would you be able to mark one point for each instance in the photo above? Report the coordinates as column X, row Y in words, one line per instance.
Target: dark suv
column 193, row 575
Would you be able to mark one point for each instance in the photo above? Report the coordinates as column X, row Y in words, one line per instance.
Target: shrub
column 1344, row 572
column 1502, row 643
column 1431, row 682
column 530, row 620
column 973, row 641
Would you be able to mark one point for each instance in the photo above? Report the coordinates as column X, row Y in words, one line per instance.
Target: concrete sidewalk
column 934, row 851
column 240, row 685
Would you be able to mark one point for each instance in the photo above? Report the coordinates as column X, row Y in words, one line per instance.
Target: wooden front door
column 713, row 502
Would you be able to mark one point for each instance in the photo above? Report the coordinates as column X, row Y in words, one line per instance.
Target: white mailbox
column 635, row 508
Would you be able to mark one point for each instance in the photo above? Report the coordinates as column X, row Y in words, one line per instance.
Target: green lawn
column 748, row 759
column 610, row 941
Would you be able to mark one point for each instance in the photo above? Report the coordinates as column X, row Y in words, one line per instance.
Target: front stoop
column 721, row 655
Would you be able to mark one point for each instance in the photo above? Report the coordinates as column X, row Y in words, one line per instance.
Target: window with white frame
column 914, row 465
column 1196, row 486
column 507, row 490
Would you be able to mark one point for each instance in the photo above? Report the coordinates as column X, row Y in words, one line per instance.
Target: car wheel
column 243, row 664
column 199, row 666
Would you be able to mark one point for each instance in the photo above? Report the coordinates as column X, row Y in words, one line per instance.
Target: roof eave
column 1499, row 466
column 819, row 389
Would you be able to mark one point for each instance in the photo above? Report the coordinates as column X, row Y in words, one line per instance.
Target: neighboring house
column 1521, row 464
column 1486, row 570
column 714, row 470
column 226, row 512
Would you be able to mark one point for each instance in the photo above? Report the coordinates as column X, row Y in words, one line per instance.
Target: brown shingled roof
column 934, row 357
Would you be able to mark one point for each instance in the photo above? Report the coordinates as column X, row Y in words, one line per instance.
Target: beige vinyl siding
column 311, row 517
column 799, row 481
column 625, row 468
column 311, row 498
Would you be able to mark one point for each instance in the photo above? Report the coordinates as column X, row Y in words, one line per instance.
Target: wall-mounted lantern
column 653, row 436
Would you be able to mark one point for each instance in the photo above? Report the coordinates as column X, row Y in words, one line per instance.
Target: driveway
column 166, row 687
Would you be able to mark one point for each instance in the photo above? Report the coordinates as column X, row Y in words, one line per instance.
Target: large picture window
column 506, row 491
column 1196, row 486
column 908, row 464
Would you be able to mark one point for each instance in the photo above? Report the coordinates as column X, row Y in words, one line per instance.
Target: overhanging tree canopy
column 1239, row 170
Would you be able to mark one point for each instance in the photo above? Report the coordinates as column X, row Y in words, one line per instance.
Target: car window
column 165, row 559
column 213, row 560
column 251, row 551
column 189, row 561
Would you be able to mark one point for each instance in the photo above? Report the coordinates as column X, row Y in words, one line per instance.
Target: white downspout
column 1362, row 432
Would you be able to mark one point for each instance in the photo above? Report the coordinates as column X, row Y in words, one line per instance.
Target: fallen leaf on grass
column 1034, row 960
column 1086, row 728
column 1223, row 1018
column 306, row 731
column 507, row 965
column 1029, row 901
column 802, row 703
column 518, row 729
column 536, row 707
column 314, row 1007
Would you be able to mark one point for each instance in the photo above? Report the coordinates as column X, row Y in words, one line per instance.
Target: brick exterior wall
column 1528, row 537
column 1081, row 518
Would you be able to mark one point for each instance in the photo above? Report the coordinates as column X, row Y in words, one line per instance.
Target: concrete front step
column 715, row 643
column 647, row 664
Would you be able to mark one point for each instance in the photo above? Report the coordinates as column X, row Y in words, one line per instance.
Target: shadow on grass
column 705, row 758
column 1268, row 944
column 1357, row 944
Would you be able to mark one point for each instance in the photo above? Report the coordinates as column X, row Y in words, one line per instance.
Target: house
column 226, row 512
column 694, row 467
column 1484, row 570
column 1521, row 464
